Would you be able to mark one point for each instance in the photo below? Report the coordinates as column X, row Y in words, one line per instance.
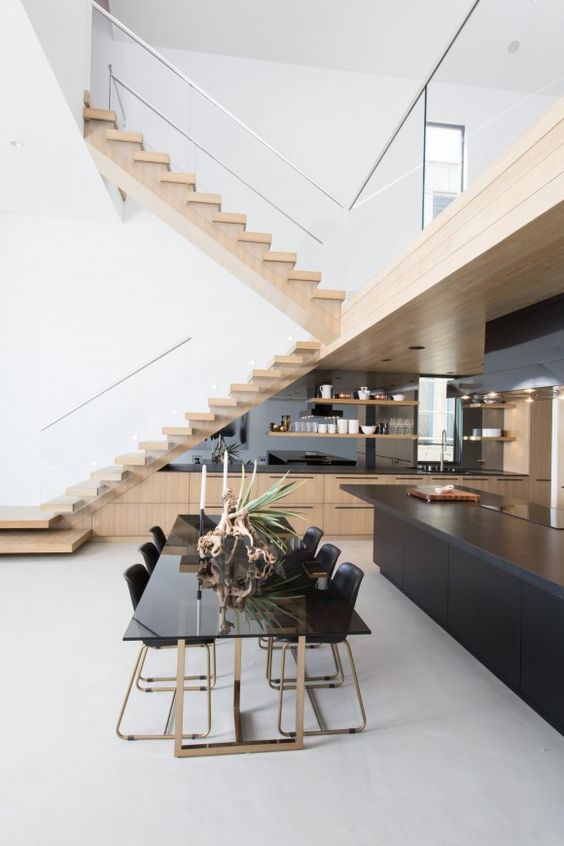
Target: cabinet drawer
column 214, row 486
column 310, row 491
column 514, row 488
column 306, row 516
column 334, row 494
column 348, row 519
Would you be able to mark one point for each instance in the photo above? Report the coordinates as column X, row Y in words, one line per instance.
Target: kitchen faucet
column 443, row 448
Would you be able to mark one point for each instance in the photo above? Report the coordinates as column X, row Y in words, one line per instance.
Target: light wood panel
column 516, row 422
column 335, row 496
column 161, row 488
column 23, row 517
column 134, row 519
column 42, row 542
column 309, row 492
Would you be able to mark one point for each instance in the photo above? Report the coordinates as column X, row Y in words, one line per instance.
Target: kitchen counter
column 491, row 580
column 332, row 469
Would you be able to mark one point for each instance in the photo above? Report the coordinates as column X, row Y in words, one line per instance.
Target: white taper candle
column 203, row 488
column 225, row 465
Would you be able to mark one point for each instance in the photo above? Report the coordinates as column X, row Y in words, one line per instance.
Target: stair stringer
column 145, row 189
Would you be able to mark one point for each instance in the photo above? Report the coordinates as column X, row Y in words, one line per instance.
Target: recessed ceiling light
column 416, row 347
column 513, row 46
column 465, row 397
column 529, row 390
column 17, row 144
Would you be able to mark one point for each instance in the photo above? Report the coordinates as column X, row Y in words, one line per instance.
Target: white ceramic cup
column 322, row 428
column 331, row 428
column 342, row 426
column 354, row 427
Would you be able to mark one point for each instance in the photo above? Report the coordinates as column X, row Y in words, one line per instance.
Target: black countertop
column 528, row 550
column 334, row 469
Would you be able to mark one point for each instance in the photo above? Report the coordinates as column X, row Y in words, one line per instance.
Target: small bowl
column 368, row 430
column 398, row 397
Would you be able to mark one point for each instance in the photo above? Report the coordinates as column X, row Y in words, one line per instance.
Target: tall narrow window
column 444, row 167
column 436, row 413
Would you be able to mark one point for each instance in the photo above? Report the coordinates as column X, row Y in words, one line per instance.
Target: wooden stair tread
column 90, row 487
column 244, row 388
column 154, row 446
column 208, row 199
column 306, row 346
column 132, row 459
column 26, row 517
column 148, row 156
column 255, row 237
column 304, row 275
column 200, row 415
column 265, row 374
column 64, row 504
column 109, row 474
column 223, row 402
column 229, row 217
column 178, row 431
column 50, row 541
column 290, row 258
column 287, row 359
column 327, row 294
column 124, row 135
column 88, row 113
column 180, row 178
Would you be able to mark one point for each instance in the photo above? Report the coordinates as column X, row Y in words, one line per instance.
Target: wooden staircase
column 146, row 176
column 58, row 525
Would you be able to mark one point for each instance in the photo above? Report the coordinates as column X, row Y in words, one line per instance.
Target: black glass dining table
column 174, row 606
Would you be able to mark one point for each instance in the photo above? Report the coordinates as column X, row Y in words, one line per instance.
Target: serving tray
column 429, row 494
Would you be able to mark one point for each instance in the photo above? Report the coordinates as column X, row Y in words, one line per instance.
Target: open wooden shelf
column 337, row 401
column 500, row 405
column 338, row 436
column 480, row 438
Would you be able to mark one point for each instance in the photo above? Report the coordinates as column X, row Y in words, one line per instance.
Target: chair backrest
column 159, row 538
column 347, row 580
column 327, row 557
column 150, row 555
column 137, row 578
column 311, row 538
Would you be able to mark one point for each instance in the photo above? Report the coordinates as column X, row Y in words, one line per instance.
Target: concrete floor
column 450, row 756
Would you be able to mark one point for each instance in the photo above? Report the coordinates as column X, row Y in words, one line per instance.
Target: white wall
column 85, row 303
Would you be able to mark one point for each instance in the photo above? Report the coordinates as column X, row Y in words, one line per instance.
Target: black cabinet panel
column 388, row 546
column 542, row 658
column 484, row 612
column 425, row 572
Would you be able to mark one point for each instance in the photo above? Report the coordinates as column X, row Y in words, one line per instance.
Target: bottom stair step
column 47, row 542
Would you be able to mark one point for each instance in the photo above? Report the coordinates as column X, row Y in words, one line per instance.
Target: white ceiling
column 386, row 37
column 401, row 38
column 52, row 173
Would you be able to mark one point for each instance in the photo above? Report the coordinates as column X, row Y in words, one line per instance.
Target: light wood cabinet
column 306, row 515
column 334, row 494
column 309, row 492
column 135, row 519
column 348, row 519
column 161, row 488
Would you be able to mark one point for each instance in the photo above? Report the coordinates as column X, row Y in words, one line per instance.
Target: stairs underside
column 42, row 541
column 198, row 217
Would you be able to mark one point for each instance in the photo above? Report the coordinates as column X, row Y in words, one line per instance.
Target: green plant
column 261, row 513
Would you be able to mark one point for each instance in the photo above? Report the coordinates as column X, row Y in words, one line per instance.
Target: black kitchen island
column 493, row 581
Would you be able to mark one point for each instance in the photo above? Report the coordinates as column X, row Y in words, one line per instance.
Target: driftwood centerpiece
column 242, row 551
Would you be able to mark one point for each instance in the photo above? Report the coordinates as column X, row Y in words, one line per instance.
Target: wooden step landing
column 26, row 517
column 45, row 542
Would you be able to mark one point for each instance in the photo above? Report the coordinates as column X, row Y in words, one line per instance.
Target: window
column 435, row 413
column 444, row 167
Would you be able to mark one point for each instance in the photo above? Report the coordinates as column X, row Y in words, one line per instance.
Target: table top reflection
column 289, row 604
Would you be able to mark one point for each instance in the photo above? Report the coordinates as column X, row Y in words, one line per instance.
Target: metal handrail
column 422, row 89
column 226, row 167
column 211, row 99
column 115, row 384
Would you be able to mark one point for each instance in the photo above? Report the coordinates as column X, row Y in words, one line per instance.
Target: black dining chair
column 159, row 537
column 327, row 557
column 150, row 555
column 137, row 578
column 309, row 541
column 347, row 580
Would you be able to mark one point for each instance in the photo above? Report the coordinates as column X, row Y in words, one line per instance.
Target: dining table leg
column 300, row 692
column 237, row 689
column 179, row 716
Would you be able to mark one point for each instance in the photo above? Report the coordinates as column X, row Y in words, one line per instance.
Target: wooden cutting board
column 429, row 493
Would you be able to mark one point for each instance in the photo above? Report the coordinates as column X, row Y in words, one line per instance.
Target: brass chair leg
column 285, row 686
column 164, row 736
column 334, row 680
column 158, row 679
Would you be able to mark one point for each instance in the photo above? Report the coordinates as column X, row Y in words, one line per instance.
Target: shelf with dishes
column 502, row 438
column 500, row 406
column 359, row 402
column 338, row 435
